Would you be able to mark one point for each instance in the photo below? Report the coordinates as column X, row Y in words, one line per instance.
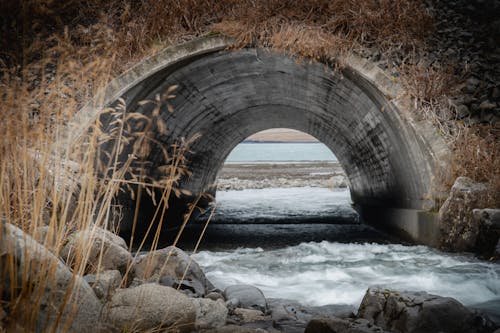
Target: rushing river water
column 340, row 264
column 306, row 244
column 319, row 273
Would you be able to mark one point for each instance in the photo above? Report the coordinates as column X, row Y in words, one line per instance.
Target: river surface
column 282, row 152
column 306, row 244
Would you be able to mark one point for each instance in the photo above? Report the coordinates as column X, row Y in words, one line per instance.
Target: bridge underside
column 227, row 95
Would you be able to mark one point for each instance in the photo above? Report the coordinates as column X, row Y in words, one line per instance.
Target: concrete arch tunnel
column 227, row 95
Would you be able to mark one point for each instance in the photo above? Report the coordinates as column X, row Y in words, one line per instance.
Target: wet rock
column 246, row 296
column 249, row 315
column 291, row 316
column 104, row 283
column 490, row 309
column 458, row 230
column 337, row 325
column 209, row 314
column 107, row 250
column 488, row 221
column 150, row 306
column 49, row 303
column 281, row 308
column 171, row 265
column 414, row 312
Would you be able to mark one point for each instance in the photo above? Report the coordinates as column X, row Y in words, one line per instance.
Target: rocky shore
column 165, row 290
column 273, row 175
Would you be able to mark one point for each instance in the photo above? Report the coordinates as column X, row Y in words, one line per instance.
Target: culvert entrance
column 227, row 95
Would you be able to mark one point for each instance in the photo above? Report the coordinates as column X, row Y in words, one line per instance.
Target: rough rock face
column 245, row 296
column 209, row 313
column 249, row 315
column 337, row 325
column 291, row 316
column 489, row 231
column 151, row 306
column 104, row 283
column 115, row 255
column 60, row 282
column 419, row 312
column 169, row 266
column 458, row 229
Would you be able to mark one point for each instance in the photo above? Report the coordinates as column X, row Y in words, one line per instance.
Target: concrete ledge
column 415, row 226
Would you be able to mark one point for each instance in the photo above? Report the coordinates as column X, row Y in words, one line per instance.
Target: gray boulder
column 246, row 296
column 107, row 251
column 150, row 306
column 337, row 325
column 104, row 283
column 209, row 313
column 169, row 266
column 419, row 312
column 54, row 285
column 458, row 229
column 190, row 286
column 291, row 316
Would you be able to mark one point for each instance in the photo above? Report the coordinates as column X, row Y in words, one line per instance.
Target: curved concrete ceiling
column 227, row 95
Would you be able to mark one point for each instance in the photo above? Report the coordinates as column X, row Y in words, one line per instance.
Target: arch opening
column 282, row 176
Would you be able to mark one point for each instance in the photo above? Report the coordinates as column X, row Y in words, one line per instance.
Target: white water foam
column 284, row 202
column 334, row 273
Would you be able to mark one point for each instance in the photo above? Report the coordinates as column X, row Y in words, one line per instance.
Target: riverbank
column 166, row 289
column 255, row 175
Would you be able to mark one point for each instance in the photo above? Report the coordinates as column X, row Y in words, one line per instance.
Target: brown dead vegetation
column 56, row 55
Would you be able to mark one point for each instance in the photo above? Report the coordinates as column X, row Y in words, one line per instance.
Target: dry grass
column 476, row 156
column 58, row 54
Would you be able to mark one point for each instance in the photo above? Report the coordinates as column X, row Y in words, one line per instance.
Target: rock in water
column 171, row 264
column 419, row 312
column 290, row 316
column 458, row 230
column 246, row 296
column 150, row 306
column 54, row 286
column 115, row 255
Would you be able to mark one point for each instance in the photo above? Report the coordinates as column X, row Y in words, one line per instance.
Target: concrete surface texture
column 227, row 95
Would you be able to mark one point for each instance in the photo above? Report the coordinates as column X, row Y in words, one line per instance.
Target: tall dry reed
column 55, row 55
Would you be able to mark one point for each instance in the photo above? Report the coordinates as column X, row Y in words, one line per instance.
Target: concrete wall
column 227, row 95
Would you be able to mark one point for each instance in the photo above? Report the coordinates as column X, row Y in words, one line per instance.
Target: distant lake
column 280, row 152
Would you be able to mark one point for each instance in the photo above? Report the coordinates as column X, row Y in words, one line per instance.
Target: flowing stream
column 306, row 244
